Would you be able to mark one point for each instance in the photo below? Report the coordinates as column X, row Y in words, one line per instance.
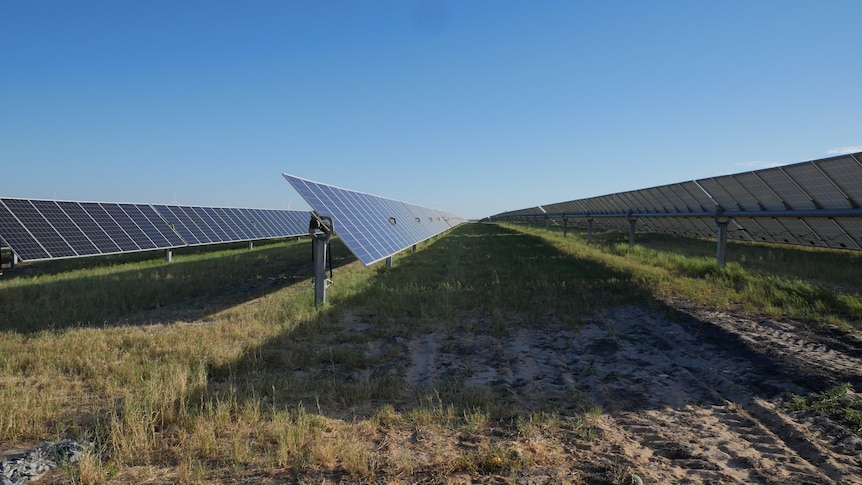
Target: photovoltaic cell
column 180, row 223
column 40, row 228
column 145, row 226
column 372, row 227
column 129, row 227
column 18, row 237
column 46, row 229
column 67, row 229
column 172, row 236
column 111, row 228
column 89, row 227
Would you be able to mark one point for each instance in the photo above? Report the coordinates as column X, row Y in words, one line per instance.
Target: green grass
column 841, row 402
column 818, row 286
column 219, row 362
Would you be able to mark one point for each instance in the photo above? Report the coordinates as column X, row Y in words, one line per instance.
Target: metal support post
column 547, row 223
column 590, row 230
column 320, row 283
column 169, row 255
column 565, row 226
column 632, row 223
column 721, row 253
column 250, row 245
column 389, row 262
column 14, row 260
column 414, row 248
column 321, row 229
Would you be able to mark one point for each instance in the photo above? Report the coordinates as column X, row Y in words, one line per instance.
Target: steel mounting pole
column 321, row 229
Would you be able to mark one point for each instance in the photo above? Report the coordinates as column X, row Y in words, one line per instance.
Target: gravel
column 36, row 463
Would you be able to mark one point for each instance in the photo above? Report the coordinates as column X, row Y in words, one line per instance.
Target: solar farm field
column 494, row 354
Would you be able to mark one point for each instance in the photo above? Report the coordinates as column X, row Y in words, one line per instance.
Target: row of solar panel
column 373, row 227
column 831, row 186
column 47, row 229
column 833, row 183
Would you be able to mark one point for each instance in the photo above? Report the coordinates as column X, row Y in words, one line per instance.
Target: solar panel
column 129, row 226
column 181, row 224
column 89, row 227
column 161, row 225
column 64, row 226
column 40, row 228
column 18, row 237
column 145, row 226
column 46, row 229
column 372, row 227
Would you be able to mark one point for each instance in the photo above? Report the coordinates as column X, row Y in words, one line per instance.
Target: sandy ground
column 696, row 400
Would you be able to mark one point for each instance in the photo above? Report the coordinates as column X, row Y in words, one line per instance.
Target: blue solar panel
column 260, row 222
column 161, row 225
column 147, row 227
column 233, row 224
column 129, row 227
column 195, row 216
column 67, row 229
column 40, row 228
column 89, row 227
column 46, row 229
column 216, row 224
column 373, row 227
column 182, row 224
column 18, row 237
column 111, row 228
column 253, row 227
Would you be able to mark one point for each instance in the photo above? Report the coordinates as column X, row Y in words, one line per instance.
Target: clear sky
column 470, row 106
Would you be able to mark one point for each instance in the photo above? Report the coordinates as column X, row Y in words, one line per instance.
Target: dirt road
column 690, row 399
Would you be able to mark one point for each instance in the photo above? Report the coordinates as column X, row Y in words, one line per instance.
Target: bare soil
column 694, row 398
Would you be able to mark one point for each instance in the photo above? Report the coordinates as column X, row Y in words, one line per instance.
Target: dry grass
column 230, row 370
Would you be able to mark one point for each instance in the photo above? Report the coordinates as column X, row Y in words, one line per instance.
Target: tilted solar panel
column 373, row 227
column 88, row 226
column 46, row 229
column 18, row 237
column 40, row 228
column 68, row 230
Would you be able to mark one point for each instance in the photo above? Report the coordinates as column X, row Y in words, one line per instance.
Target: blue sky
column 474, row 107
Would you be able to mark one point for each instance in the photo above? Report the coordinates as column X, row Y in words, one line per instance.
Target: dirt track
column 694, row 400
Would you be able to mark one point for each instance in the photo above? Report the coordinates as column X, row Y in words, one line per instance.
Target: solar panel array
column 815, row 203
column 373, row 227
column 47, row 229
